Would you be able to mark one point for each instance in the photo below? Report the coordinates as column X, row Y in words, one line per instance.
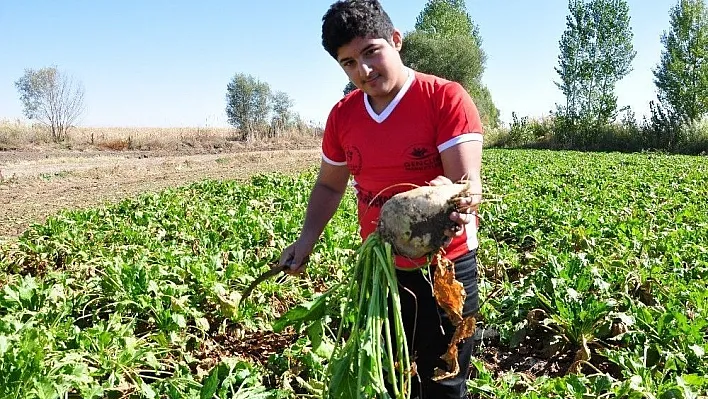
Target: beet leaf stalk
column 375, row 351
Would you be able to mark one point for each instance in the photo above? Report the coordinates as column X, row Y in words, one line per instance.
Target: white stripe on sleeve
column 463, row 138
column 331, row 162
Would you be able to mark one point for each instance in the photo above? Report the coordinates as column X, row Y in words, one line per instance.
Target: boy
column 399, row 126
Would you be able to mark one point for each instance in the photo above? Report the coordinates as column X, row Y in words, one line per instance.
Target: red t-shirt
column 401, row 145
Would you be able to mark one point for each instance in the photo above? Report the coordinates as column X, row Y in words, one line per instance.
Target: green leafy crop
column 595, row 264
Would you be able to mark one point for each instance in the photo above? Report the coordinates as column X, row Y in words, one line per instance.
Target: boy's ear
column 397, row 39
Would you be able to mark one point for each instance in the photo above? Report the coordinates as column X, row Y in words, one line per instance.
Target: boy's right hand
column 295, row 257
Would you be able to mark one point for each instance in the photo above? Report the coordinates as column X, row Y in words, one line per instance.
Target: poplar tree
column 681, row 77
column 596, row 52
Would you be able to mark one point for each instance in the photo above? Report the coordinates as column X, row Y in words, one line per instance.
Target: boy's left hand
column 467, row 206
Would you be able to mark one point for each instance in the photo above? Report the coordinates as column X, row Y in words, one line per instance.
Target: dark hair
column 348, row 19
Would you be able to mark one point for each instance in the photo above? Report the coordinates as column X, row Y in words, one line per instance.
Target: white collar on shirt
column 392, row 105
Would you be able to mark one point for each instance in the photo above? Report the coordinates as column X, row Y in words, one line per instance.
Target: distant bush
column 522, row 132
column 661, row 132
column 694, row 139
column 666, row 131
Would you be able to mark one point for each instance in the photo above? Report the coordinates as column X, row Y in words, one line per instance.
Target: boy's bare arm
column 464, row 162
column 324, row 200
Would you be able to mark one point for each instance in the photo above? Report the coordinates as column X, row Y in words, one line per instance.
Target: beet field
column 593, row 274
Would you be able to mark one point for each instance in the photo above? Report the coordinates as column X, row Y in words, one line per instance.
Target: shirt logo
column 353, row 159
column 421, row 157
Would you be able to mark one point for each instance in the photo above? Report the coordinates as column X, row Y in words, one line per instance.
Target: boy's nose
column 364, row 70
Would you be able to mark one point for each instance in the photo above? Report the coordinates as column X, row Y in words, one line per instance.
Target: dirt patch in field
column 36, row 184
column 257, row 346
column 539, row 354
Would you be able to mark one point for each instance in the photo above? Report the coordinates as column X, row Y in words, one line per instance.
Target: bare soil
column 40, row 182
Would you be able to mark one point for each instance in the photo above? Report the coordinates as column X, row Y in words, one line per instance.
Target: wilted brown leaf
column 463, row 331
column 449, row 293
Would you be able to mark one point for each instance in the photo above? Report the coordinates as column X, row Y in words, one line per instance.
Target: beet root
column 414, row 222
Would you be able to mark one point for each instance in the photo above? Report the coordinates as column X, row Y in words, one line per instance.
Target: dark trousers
column 429, row 331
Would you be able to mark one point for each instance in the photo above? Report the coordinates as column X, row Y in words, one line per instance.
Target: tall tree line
column 596, row 52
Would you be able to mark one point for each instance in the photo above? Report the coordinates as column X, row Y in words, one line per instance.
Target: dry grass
column 18, row 135
column 15, row 133
column 125, row 138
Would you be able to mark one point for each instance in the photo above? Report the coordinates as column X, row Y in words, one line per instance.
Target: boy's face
column 373, row 65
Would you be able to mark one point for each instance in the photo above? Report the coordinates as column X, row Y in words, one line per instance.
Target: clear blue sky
column 167, row 63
